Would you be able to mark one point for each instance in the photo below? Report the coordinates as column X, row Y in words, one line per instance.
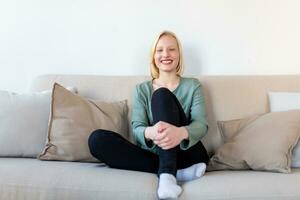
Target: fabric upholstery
column 26, row 178
column 244, row 185
column 33, row 179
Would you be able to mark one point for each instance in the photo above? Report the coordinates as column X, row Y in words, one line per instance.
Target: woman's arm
column 140, row 122
column 198, row 126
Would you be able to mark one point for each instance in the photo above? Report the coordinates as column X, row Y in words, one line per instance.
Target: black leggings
column 117, row 152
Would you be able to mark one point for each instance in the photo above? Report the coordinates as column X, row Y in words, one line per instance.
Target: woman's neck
column 167, row 80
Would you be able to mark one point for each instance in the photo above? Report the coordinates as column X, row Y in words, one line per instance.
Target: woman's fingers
column 167, row 146
column 160, row 136
column 161, row 126
column 165, row 143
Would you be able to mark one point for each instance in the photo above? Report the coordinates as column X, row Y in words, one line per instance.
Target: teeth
column 166, row 61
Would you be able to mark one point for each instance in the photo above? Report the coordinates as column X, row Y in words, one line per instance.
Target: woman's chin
column 167, row 69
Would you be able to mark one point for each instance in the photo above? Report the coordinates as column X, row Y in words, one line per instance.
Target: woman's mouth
column 166, row 61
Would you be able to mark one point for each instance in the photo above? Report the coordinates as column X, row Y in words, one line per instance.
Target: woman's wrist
column 184, row 133
column 147, row 136
column 147, row 133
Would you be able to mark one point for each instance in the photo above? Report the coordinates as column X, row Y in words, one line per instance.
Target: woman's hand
column 151, row 132
column 168, row 135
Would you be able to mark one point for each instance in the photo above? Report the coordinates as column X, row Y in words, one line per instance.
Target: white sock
column 168, row 187
column 191, row 173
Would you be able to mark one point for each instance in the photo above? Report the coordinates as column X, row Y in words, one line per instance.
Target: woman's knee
column 97, row 139
column 162, row 93
column 162, row 98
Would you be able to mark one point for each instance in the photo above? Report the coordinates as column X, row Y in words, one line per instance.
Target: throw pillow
column 283, row 101
column 23, row 122
column 229, row 129
column 264, row 143
column 72, row 120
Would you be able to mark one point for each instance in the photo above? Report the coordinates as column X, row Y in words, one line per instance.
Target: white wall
column 114, row 37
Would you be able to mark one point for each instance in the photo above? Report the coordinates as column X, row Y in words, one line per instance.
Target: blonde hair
column 153, row 68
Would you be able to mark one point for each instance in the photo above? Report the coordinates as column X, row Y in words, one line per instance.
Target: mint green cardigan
column 190, row 95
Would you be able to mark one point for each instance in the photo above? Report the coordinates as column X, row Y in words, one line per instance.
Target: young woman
column 168, row 121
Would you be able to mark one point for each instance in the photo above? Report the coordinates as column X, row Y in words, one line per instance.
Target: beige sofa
column 227, row 97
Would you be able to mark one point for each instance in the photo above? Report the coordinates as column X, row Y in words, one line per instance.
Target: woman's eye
column 159, row 50
column 172, row 49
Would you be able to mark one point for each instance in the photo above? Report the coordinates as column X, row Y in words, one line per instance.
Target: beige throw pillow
column 228, row 129
column 72, row 120
column 260, row 143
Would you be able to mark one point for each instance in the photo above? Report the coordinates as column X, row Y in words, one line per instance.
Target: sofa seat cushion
column 32, row 179
column 244, row 185
column 25, row 178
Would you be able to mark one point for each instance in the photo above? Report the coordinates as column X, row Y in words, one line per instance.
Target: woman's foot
column 168, row 187
column 191, row 173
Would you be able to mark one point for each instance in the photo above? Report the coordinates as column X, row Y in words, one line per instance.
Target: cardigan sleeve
column 198, row 126
column 140, row 119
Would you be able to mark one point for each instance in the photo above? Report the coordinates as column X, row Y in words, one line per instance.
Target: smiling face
column 166, row 56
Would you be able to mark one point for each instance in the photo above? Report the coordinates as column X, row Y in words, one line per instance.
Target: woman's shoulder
column 143, row 87
column 144, row 84
column 190, row 81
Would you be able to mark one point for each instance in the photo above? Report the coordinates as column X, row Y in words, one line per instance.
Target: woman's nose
column 165, row 53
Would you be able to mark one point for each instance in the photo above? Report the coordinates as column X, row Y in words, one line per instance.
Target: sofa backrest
column 226, row 97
